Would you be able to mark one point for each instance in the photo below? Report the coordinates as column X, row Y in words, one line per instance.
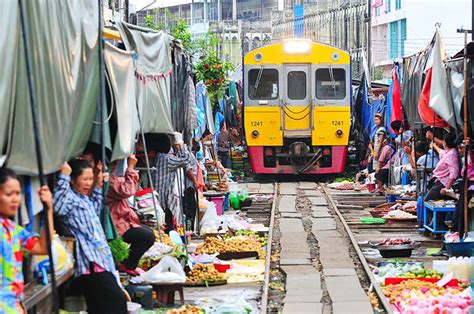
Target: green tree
column 181, row 31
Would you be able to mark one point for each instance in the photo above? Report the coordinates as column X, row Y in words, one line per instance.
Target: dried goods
column 203, row 273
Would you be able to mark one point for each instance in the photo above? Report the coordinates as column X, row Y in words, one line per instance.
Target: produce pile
column 399, row 214
column 166, row 238
column 214, row 245
column 204, row 273
column 396, row 242
column 392, row 270
column 422, row 273
column 414, row 296
column 187, row 309
column 252, row 234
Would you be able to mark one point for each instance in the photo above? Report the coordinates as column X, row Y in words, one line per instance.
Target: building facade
column 403, row 27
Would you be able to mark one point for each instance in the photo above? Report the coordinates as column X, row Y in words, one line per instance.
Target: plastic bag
column 210, row 221
column 168, row 270
column 63, row 260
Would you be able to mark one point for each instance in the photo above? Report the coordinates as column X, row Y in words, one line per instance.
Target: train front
column 297, row 108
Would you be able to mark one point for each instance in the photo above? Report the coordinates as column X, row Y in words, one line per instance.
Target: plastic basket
column 459, row 248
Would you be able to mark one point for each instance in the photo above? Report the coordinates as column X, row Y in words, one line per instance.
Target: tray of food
column 390, row 248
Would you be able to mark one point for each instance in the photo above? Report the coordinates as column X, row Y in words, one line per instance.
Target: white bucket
column 133, row 308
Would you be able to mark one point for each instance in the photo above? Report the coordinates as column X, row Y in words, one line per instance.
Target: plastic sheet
column 65, row 68
column 152, row 75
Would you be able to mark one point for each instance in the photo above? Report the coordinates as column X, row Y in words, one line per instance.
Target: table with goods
column 228, row 253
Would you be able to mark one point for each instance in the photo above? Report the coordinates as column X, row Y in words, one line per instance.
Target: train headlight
column 255, row 133
column 339, row 133
column 297, row 46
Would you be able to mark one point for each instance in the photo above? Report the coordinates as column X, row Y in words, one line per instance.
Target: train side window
column 330, row 83
column 296, row 85
column 263, row 84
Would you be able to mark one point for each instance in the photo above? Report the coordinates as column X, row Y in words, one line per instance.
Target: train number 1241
column 337, row 122
column 256, row 123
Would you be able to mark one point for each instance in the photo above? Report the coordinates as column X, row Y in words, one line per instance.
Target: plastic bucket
column 219, row 201
column 133, row 308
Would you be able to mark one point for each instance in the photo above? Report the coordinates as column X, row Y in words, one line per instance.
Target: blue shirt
column 79, row 213
column 430, row 158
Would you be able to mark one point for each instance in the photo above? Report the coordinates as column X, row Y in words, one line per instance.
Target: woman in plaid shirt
column 78, row 201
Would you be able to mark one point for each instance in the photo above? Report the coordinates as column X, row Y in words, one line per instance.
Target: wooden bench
column 36, row 293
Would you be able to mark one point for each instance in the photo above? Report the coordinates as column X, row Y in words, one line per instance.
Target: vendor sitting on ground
column 16, row 240
column 79, row 211
column 387, row 154
column 125, row 219
column 447, row 169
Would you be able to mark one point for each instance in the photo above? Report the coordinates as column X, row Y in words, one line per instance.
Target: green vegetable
column 120, row 250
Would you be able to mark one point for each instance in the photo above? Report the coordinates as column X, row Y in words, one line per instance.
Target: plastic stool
column 165, row 293
column 142, row 295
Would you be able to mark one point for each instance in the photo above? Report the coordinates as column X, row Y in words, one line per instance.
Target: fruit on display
column 214, row 245
column 422, row 273
column 203, row 273
column 249, row 233
column 395, row 269
column 395, row 242
column 416, row 289
column 166, row 238
column 187, row 309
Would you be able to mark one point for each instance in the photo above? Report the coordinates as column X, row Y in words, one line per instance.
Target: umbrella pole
column 103, row 212
column 467, row 148
column 39, row 157
column 150, row 180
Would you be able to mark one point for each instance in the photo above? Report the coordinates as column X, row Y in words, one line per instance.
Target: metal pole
column 39, row 156
column 466, row 149
column 369, row 37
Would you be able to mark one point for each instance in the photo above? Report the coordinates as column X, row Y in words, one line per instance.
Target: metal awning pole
column 39, row 157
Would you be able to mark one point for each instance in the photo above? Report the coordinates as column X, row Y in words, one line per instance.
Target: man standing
column 223, row 146
column 164, row 178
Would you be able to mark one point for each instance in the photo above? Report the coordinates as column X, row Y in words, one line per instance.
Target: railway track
column 312, row 213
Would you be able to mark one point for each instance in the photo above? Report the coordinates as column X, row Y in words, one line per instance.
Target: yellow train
column 297, row 107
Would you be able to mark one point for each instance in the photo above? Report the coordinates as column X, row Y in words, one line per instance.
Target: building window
column 403, row 36
column 398, row 36
column 388, row 6
column 398, row 4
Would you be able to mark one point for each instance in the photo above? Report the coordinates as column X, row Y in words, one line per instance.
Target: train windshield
column 263, row 83
column 330, row 83
column 296, row 85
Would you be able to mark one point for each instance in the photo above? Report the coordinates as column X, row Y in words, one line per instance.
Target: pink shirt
column 387, row 157
column 121, row 188
column 448, row 166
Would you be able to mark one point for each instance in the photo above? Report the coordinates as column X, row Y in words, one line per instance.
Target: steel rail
column 266, row 282
column 383, row 300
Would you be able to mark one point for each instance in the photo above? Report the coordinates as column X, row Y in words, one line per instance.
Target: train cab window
column 263, row 84
column 296, row 85
column 330, row 83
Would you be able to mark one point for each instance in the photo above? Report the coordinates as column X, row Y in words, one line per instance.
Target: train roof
column 297, row 51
